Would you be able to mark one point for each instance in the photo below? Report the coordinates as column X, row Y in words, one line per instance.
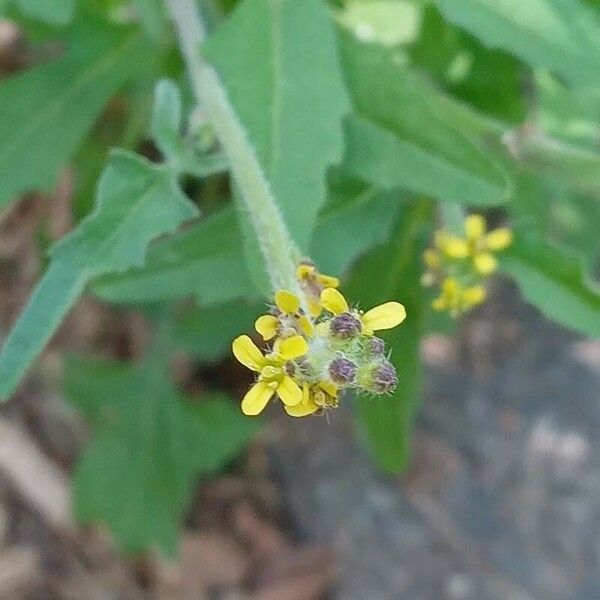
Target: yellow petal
column 499, row 239
column 475, row 227
column 247, row 353
column 384, row 316
column 257, row 398
column 485, row 263
column 287, row 302
column 439, row 304
column 333, row 301
column 306, row 325
column 301, row 410
column 473, row 296
column 431, row 258
column 329, row 388
column 267, row 326
column 289, row 391
column 454, row 247
column 292, row 347
column 304, row 271
column 314, row 307
column 328, row 281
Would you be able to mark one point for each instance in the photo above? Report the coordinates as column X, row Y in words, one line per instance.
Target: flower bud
column 376, row 346
column 384, row 378
column 345, row 326
column 342, row 370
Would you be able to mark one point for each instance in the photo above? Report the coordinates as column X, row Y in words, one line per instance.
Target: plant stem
column 280, row 253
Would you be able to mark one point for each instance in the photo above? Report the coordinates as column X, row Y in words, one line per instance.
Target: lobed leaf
column 555, row 282
column 48, row 110
column 149, row 445
column 398, row 138
column 136, row 202
column 278, row 61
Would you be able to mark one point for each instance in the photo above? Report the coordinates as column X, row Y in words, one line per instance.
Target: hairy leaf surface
column 278, row 61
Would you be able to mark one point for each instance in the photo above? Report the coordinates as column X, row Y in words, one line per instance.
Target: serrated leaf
column 148, row 447
column 47, row 111
column 136, row 202
column 397, row 139
column 555, row 282
column 54, row 12
column 387, row 421
column 278, row 61
column 560, row 35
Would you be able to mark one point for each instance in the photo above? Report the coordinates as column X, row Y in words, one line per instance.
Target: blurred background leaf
column 49, row 109
column 560, row 35
column 387, row 421
column 136, row 202
column 555, row 281
column 396, row 139
column 149, row 446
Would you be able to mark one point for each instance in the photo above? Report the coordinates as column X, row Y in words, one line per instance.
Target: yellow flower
column 481, row 244
column 314, row 397
column 384, row 316
column 312, row 283
column 289, row 306
column 455, row 298
column 272, row 377
column 477, row 246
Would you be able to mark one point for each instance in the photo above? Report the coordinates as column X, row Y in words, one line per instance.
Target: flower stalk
column 280, row 252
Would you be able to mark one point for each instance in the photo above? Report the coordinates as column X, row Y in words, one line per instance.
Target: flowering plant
column 308, row 129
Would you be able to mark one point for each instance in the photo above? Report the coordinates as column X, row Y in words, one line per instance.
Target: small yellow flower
column 289, row 306
column 312, row 283
column 481, row 244
column 272, row 378
column 384, row 316
column 456, row 299
column 322, row 395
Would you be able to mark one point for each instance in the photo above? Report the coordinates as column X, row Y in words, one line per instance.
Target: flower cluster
column 460, row 266
column 317, row 348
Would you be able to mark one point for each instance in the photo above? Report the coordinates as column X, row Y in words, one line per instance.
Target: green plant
column 345, row 134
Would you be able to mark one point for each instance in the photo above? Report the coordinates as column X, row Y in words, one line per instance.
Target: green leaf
column 555, row 282
column 278, row 61
column 207, row 259
column 166, row 117
column 207, row 332
column 47, row 111
column 136, row 202
column 54, row 12
column 387, row 421
column 397, row 139
column 153, row 17
column 386, row 22
column 204, row 261
column 148, row 447
column 356, row 218
column 577, row 167
column 560, row 35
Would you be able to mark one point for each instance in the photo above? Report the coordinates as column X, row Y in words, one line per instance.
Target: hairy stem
column 279, row 250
